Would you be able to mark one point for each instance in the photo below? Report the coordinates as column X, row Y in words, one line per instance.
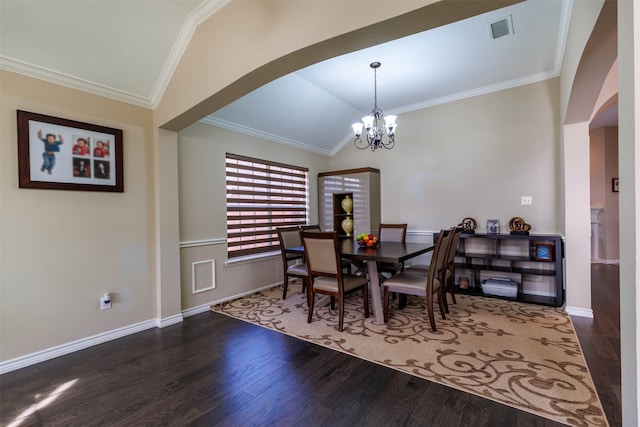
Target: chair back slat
column 392, row 232
column 321, row 251
column 289, row 237
column 453, row 246
column 439, row 254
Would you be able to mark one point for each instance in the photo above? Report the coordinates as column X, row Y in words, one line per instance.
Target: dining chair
column 289, row 237
column 421, row 285
column 346, row 264
column 391, row 233
column 449, row 270
column 447, row 273
column 326, row 275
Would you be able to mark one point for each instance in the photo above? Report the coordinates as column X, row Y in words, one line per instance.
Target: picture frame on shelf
column 493, row 226
column 543, row 252
column 615, row 185
column 62, row 154
column 463, row 282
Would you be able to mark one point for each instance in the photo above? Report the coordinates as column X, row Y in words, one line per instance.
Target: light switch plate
column 527, row 200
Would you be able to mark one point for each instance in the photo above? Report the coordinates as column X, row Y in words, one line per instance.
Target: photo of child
column 101, row 150
column 51, row 147
column 81, row 147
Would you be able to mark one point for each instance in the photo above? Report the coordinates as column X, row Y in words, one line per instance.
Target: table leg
column 374, row 290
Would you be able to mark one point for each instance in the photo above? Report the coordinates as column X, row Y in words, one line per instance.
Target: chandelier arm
column 360, row 145
column 389, row 145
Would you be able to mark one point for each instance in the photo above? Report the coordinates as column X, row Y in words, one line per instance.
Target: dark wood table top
column 391, row 252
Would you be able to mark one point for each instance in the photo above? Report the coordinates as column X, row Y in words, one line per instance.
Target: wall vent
column 502, row 27
column 203, row 276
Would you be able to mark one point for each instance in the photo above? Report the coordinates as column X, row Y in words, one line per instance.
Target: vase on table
column 347, row 225
column 347, row 204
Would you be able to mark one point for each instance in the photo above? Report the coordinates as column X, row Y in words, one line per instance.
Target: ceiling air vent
column 502, row 27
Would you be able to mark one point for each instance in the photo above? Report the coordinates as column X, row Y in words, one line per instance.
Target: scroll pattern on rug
column 522, row 355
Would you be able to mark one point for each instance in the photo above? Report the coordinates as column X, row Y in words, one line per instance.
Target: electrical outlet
column 526, row 200
column 105, row 302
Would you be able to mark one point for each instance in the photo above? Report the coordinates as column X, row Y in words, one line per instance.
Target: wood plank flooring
column 214, row 370
column 600, row 338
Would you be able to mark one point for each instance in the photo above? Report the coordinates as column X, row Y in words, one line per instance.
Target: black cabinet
column 534, row 262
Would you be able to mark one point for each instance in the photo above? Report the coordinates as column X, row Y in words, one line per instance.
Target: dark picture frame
column 615, row 185
column 62, row 154
column 544, row 252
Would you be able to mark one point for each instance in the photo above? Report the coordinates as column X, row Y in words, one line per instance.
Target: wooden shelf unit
column 339, row 214
column 513, row 256
column 363, row 186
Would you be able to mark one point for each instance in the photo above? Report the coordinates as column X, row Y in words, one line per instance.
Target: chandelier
column 373, row 124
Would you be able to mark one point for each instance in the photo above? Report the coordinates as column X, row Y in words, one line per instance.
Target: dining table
column 383, row 252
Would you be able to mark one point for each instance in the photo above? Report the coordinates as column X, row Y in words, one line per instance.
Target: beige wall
column 203, row 214
column 61, row 250
column 603, row 168
column 474, row 157
column 629, row 165
column 589, row 55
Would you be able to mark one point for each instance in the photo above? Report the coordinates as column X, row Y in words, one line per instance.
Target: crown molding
column 214, row 121
column 195, row 18
column 41, row 73
column 534, row 78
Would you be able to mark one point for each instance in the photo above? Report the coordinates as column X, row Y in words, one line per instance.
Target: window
column 261, row 196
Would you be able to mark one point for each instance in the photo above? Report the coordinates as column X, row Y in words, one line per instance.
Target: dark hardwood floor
column 214, row 370
column 600, row 338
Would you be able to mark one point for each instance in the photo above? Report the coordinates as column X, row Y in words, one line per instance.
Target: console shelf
column 534, row 261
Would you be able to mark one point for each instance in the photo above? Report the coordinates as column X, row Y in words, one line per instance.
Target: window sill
column 251, row 258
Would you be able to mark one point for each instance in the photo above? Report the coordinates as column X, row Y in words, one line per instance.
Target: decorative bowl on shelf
column 367, row 240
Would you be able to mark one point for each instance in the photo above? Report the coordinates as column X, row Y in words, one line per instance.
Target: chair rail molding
column 204, row 242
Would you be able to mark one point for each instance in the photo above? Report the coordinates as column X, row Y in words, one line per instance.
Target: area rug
column 522, row 355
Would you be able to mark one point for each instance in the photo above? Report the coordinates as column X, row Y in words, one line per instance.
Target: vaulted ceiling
column 128, row 49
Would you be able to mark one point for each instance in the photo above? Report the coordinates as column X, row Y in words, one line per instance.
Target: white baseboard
column 206, row 307
column 168, row 321
column 581, row 312
column 61, row 350
column 605, row 261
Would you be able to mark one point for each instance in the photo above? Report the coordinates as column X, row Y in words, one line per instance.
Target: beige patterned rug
column 525, row 356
